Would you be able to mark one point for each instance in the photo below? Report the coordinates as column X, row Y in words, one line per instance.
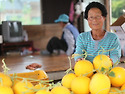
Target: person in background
column 68, row 39
column 97, row 39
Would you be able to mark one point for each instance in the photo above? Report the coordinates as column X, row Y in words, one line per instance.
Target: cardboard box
column 118, row 27
column 36, row 75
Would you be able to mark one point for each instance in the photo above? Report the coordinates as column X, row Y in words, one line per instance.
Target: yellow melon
column 80, row 85
column 43, row 92
column 102, row 61
column 67, row 79
column 6, row 90
column 60, row 90
column 99, row 84
column 83, row 67
column 123, row 87
column 119, row 78
column 6, row 80
column 23, row 87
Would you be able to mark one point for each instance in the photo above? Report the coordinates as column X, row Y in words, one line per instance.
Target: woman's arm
column 116, row 53
column 79, row 48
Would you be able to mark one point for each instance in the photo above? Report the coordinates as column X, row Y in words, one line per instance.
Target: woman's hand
column 79, row 59
column 110, row 59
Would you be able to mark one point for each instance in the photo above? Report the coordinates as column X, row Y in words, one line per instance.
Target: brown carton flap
column 119, row 21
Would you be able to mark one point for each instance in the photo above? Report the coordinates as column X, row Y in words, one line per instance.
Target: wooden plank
column 17, row 64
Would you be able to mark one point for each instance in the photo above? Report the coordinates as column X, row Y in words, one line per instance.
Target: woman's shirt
column 110, row 43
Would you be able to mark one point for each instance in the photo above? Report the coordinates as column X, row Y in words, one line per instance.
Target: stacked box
column 118, row 27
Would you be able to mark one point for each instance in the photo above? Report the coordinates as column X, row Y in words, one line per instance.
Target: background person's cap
column 62, row 18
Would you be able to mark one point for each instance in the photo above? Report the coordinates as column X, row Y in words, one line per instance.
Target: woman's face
column 61, row 24
column 95, row 19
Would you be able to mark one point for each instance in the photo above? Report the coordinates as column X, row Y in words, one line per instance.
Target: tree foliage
column 117, row 8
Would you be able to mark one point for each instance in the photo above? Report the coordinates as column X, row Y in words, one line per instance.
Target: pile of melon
column 97, row 77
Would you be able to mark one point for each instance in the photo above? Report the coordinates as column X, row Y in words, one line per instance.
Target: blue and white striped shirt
column 92, row 47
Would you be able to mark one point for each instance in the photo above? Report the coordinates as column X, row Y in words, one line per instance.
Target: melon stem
column 70, row 66
column 31, row 79
column 1, row 81
column 5, row 68
column 103, row 50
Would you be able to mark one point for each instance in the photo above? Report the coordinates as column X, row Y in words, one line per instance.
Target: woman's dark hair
column 95, row 5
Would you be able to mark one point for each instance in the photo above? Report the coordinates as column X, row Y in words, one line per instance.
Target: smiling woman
column 97, row 40
column 26, row 11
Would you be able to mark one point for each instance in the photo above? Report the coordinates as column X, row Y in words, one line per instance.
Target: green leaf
column 102, row 69
column 112, row 74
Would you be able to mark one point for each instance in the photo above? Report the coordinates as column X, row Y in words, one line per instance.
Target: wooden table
column 54, row 66
column 122, row 59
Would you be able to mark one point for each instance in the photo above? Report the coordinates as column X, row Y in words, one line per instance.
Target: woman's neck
column 98, row 34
